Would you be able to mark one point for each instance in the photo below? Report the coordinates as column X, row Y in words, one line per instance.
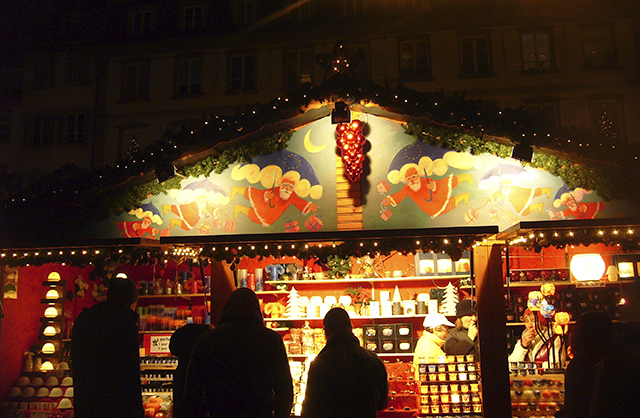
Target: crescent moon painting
column 310, row 146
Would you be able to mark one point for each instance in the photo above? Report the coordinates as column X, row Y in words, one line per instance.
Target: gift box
column 404, row 345
column 313, row 223
column 387, row 331
column 404, row 330
column 387, row 345
column 386, row 215
column 204, row 229
column 370, row 331
column 383, row 186
column 229, row 225
column 292, row 226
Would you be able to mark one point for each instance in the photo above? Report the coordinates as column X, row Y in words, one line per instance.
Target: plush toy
column 274, row 309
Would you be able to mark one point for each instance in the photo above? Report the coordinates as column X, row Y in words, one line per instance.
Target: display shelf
column 535, row 283
column 175, row 295
column 371, row 279
column 541, row 269
column 353, row 318
column 272, row 292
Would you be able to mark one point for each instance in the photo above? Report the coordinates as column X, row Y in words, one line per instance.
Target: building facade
column 80, row 83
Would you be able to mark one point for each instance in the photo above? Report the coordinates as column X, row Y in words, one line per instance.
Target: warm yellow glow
column 50, row 331
column 54, row 276
column 46, row 366
column 625, row 269
column 48, row 348
column 51, row 312
column 121, row 275
column 585, row 267
column 52, row 294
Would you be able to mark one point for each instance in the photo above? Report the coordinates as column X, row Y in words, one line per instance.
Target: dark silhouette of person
column 345, row 380
column 105, row 357
column 240, row 368
column 463, row 339
column 181, row 345
column 591, row 340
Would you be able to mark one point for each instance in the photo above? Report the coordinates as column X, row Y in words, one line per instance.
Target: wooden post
column 494, row 367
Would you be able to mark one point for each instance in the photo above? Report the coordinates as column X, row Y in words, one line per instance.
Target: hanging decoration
column 351, row 142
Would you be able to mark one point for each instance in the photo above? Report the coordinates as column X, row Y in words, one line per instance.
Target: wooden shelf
column 183, row 295
column 371, row 279
column 272, row 292
column 541, row 269
column 535, row 283
column 352, row 318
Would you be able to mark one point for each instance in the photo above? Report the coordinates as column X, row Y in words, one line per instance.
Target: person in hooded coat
column 181, row 345
column 105, row 358
column 345, row 380
column 463, row 339
column 240, row 368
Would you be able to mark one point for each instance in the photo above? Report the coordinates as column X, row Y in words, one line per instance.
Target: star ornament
column 338, row 63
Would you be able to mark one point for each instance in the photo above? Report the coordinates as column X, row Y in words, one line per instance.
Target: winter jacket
column 105, row 361
column 181, row 345
column 429, row 345
column 239, row 369
column 345, row 381
column 538, row 351
column 458, row 342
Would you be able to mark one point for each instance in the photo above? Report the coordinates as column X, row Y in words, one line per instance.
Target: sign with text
column 157, row 344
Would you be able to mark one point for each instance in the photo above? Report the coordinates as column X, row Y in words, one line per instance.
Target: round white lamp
column 587, row 267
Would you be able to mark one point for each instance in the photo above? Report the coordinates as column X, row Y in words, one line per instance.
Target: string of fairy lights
column 625, row 239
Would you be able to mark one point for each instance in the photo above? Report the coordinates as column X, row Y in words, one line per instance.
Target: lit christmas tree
column 134, row 151
column 606, row 128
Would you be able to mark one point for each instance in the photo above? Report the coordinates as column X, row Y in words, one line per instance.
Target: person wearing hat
column 532, row 346
column 105, row 357
column 240, row 368
column 345, row 380
column 463, row 339
column 430, row 343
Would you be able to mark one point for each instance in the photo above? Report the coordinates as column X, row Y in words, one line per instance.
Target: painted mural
column 409, row 184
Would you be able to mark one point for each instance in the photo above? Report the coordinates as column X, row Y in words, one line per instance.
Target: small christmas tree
column 294, row 307
column 449, row 301
column 134, row 151
column 607, row 130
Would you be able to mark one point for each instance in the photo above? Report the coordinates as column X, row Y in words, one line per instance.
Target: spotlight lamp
column 340, row 113
column 522, row 152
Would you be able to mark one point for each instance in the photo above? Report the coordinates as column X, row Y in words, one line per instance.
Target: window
column 75, row 128
column 242, row 73
column 41, row 129
column 606, row 117
column 536, row 52
column 358, row 56
column 415, row 59
column 299, row 10
column 135, row 81
column 475, row 55
column 44, row 69
column 193, row 17
column 599, row 50
column 78, row 69
column 544, row 111
column 298, row 67
column 188, row 76
column 141, row 22
column 352, row 7
column 244, row 12
column 5, row 127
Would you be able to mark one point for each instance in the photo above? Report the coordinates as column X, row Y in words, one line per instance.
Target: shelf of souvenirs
column 173, row 295
column 356, row 318
column 157, row 392
column 599, row 283
column 312, row 356
column 521, row 324
column 371, row 279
